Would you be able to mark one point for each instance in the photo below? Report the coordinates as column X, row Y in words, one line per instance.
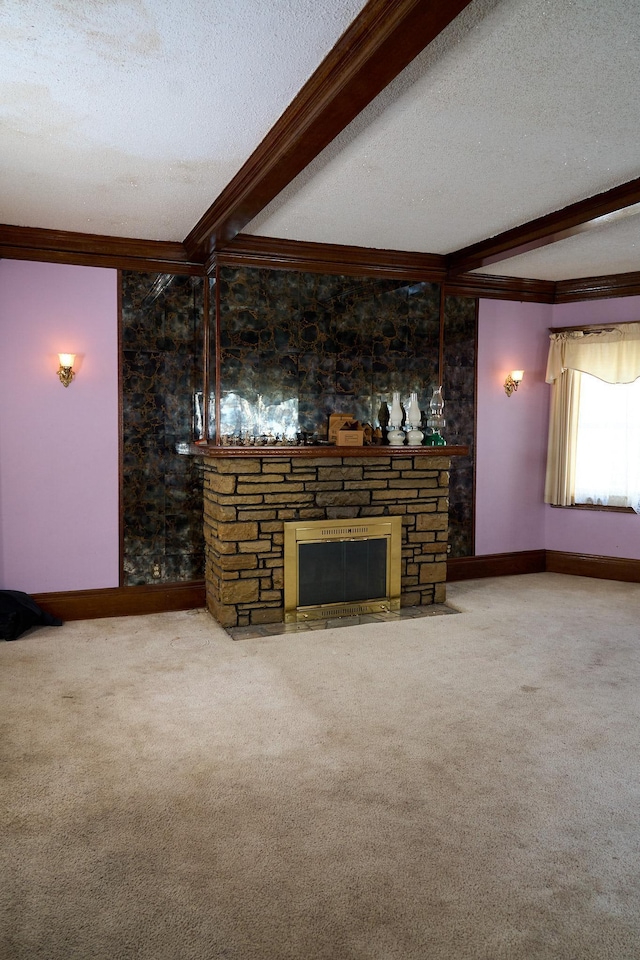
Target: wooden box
column 337, row 422
column 353, row 437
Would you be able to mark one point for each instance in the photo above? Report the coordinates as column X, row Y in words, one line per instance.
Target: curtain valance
column 612, row 354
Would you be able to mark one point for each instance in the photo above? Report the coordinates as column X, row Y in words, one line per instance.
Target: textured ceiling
column 590, row 254
column 519, row 108
column 129, row 117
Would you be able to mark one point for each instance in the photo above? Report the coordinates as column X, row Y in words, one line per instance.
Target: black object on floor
column 18, row 613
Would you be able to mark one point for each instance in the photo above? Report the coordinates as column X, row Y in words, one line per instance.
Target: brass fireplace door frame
column 320, row 531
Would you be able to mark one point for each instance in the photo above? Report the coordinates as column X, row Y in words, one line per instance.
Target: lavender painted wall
column 511, row 431
column 58, row 447
column 620, row 310
column 597, row 533
column 579, row 531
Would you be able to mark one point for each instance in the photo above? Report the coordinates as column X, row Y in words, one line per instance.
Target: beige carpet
column 441, row 788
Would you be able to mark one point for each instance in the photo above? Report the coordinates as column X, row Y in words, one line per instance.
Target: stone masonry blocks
column 248, row 499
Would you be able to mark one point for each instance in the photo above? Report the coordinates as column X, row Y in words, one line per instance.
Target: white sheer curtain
column 588, row 461
column 608, row 449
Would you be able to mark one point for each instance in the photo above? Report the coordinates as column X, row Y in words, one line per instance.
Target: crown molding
column 543, row 291
column 275, row 254
column 500, row 288
column 94, row 250
column 272, row 253
column 160, row 256
column 598, row 288
column 385, row 37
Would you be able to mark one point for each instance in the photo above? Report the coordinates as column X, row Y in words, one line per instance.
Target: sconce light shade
column 65, row 370
column 512, row 381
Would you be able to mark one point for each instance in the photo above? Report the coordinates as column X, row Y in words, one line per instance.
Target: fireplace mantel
column 327, row 451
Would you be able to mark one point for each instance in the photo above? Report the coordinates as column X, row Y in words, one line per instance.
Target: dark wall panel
column 162, row 362
column 296, row 347
column 459, row 390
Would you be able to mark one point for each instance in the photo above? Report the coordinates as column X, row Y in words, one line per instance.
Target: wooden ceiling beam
column 383, row 39
column 614, row 204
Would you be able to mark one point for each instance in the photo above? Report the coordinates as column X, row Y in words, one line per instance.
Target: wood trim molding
column 500, row 288
column 495, row 565
column 540, row 561
column 588, row 565
column 94, row 250
column 325, row 452
column 163, row 598
column 123, row 601
column 272, row 253
column 598, row 288
column 275, row 254
column 385, row 37
column 615, row 204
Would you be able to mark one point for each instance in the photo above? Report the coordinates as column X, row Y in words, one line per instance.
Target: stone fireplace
column 248, row 496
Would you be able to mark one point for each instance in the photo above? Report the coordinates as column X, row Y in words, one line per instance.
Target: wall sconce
column 512, row 381
column 65, row 370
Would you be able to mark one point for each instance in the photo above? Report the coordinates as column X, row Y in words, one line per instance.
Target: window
column 594, row 425
column 608, row 443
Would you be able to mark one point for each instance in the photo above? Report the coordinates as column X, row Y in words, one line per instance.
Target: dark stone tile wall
column 296, row 347
column 459, row 391
column 162, row 361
